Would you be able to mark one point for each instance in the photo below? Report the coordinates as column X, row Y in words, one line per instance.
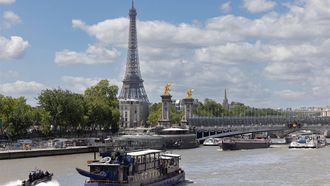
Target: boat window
column 152, row 157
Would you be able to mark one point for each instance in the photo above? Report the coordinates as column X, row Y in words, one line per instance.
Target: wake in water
column 14, row 183
column 19, row 183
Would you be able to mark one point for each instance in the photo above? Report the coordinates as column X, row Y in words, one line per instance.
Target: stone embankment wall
column 45, row 152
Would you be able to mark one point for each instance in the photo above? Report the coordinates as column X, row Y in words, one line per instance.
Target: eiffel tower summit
column 133, row 100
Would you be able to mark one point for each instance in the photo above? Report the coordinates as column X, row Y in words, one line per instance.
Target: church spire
column 225, row 103
column 225, row 94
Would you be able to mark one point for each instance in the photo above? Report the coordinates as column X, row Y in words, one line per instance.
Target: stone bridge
column 229, row 126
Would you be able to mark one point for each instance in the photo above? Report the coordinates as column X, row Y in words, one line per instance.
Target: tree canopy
column 155, row 113
column 211, row 108
column 62, row 110
column 102, row 106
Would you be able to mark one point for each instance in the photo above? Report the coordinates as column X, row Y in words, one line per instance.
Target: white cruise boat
column 309, row 141
column 212, row 142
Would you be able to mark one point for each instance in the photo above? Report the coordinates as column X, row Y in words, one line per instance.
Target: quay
column 14, row 154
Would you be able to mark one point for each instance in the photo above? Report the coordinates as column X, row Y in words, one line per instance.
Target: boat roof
column 166, row 157
column 172, row 155
column 143, row 152
column 174, row 129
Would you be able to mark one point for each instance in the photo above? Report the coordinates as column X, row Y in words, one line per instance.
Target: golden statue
column 167, row 89
column 189, row 93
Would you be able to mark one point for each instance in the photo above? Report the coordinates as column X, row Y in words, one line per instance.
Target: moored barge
column 238, row 144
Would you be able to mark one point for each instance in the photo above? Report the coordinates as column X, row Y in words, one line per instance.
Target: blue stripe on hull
column 167, row 182
column 111, row 184
column 170, row 181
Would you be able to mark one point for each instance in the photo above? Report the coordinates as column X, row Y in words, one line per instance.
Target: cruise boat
column 309, row 141
column 137, row 168
column 241, row 143
column 294, row 135
column 212, row 142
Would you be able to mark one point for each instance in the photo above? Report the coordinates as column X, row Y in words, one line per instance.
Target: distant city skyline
column 266, row 53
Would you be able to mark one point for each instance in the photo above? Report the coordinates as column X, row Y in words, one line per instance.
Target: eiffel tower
column 133, row 100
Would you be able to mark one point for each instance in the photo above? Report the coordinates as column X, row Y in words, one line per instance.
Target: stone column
column 165, row 115
column 187, row 106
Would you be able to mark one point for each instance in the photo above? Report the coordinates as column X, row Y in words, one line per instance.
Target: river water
column 207, row 166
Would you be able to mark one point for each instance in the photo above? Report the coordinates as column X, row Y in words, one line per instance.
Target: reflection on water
column 203, row 166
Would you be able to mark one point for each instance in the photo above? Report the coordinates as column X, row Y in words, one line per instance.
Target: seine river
column 204, row 166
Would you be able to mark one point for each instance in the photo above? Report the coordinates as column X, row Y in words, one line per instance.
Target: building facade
column 133, row 100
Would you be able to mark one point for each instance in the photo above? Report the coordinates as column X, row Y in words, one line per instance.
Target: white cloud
column 290, row 94
column 154, row 33
column 21, row 88
column 93, row 55
column 267, row 55
column 257, row 6
column 12, row 48
column 112, row 31
column 225, row 7
column 234, row 53
column 80, row 84
column 11, row 19
column 7, row 1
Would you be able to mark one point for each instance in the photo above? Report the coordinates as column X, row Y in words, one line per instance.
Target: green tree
column 155, row 113
column 42, row 119
column 102, row 106
column 209, row 108
column 175, row 116
column 66, row 109
column 16, row 115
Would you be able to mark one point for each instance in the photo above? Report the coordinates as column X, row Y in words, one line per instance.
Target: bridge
column 205, row 127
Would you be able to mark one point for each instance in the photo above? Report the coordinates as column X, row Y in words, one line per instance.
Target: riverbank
column 14, row 154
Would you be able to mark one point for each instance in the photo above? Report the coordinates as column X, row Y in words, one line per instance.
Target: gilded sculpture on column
column 167, row 89
column 189, row 93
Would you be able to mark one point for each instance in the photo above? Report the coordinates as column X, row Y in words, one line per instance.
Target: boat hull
column 250, row 144
column 311, row 142
column 173, row 180
column 211, row 142
column 36, row 182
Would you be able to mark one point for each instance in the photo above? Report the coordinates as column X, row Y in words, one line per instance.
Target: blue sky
column 266, row 53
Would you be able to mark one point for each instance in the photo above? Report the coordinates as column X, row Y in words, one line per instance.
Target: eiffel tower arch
column 133, row 100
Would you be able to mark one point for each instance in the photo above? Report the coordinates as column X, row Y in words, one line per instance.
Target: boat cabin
column 139, row 166
column 170, row 163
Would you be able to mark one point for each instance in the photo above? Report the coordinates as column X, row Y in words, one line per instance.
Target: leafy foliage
column 66, row 109
column 102, row 106
column 16, row 115
column 211, row 108
column 155, row 113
